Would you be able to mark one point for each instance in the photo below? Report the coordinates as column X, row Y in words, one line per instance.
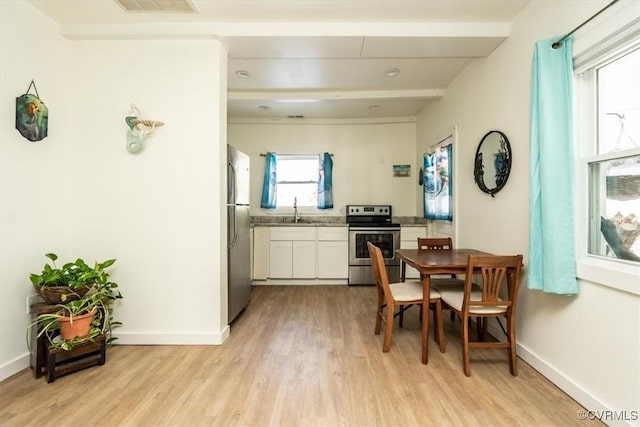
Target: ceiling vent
column 175, row 6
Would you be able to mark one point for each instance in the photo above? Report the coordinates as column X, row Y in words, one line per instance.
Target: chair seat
column 454, row 299
column 410, row 291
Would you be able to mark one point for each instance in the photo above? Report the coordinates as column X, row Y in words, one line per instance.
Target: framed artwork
column 401, row 170
column 32, row 116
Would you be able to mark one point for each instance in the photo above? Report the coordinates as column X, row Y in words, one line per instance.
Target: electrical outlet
column 32, row 299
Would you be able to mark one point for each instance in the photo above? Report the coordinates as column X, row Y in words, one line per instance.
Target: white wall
column 587, row 344
column 364, row 155
column 160, row 213
column 34, row 176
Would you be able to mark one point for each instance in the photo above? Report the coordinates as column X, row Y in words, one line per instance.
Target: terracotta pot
column 79, row 326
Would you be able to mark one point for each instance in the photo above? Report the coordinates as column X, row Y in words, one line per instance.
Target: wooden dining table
column 428, row 263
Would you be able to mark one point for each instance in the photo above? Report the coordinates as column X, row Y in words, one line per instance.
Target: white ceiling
column 318, row 59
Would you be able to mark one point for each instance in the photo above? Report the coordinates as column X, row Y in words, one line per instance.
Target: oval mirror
column 493, row 162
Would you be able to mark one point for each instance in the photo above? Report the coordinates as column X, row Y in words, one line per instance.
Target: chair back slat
column 497, row 272
column 435, row 243
column 492, row 279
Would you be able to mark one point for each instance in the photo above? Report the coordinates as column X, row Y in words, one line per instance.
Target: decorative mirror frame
column 503, row 164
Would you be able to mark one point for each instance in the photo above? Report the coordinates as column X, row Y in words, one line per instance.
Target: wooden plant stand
column 62, row 362
column 57, row 362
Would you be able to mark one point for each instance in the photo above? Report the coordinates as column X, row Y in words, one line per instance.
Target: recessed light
column 243, row 74
column 392, row 72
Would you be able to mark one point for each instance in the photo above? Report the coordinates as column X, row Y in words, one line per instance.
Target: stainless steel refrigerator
column 238, row 229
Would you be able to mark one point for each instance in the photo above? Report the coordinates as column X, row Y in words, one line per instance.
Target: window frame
column 616, row 38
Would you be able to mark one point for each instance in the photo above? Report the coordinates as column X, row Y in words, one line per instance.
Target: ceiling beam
column 310, row 96
column 261, row 29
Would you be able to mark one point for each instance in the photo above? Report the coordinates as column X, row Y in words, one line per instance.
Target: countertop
column 324, row 221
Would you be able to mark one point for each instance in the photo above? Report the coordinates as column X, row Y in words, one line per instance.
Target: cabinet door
column 333, row 260
column 409, row 240
column 412, row 233
column 260, row 253
column 280, row 259
column 304, row 259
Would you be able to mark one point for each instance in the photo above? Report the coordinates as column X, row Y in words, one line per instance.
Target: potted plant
column 71, row 281
column 81, row 315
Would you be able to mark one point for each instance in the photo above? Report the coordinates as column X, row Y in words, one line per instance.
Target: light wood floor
column 297, row 356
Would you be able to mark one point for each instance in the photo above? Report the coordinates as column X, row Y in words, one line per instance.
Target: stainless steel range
column 372, row 223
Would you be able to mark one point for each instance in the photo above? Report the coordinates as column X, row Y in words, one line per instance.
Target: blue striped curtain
column 438, row 184
column 268, row 200
column 552, row 261
column 325, row 182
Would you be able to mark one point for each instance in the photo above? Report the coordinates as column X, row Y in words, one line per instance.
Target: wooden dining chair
column 392, row 295
column 493, row 300
column 439, row 283
column 440, row 244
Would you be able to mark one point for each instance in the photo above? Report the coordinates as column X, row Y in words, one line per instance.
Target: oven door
column 387, row 239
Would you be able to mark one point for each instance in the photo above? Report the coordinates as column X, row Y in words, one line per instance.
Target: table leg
column 426, row 286
column 403, row 270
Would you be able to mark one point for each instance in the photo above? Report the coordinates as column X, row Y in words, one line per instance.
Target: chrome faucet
column 296, row 215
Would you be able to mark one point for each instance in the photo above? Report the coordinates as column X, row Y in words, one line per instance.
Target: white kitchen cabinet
column 409, row 240
column 304, row 259
column 333, row 253
column 260, row 253
column 292, row 253
column 281, row 259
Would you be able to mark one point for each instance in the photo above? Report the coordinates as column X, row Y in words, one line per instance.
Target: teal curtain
column 325, row 182
column 552, row 261
column 268, row 200
column 438, row 184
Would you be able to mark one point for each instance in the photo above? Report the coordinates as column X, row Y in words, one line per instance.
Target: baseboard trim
column 158, row 338
column 300, row 282
column 14, row 366
column 564, row 383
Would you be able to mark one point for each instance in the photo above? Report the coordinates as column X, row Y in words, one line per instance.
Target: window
column 608, row 154
column 297, row 179
column 614, row 171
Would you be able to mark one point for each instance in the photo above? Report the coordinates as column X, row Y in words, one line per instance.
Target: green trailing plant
column 102, row 292
column 75, row 275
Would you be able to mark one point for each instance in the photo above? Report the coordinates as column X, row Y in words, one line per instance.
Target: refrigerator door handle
column 232, row 236
column 233, row 194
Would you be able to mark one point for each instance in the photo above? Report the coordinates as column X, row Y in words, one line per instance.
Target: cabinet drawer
column 412, row 233
column 333, row 233
column 292, row 233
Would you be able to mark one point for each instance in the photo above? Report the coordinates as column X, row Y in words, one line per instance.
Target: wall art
column 139, row 130
column 401, row 170
column 32, row 116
